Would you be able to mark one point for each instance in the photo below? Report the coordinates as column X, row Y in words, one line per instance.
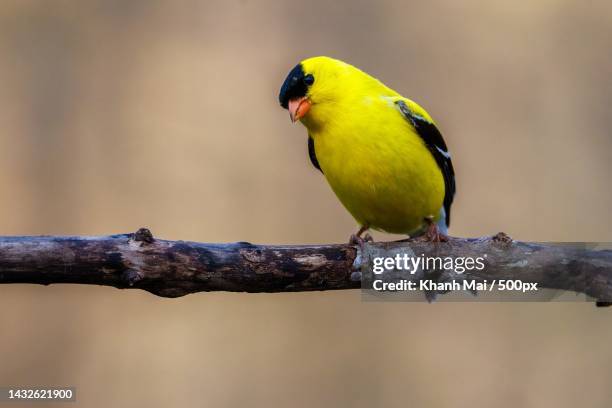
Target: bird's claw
column 432, row 234
column 357, row 240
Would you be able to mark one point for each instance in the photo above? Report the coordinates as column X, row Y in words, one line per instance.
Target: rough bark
column 176, row 268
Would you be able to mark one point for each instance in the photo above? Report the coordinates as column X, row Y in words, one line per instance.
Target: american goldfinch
column 381, row 153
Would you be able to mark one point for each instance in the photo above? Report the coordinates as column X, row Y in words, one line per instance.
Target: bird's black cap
column 293, row 87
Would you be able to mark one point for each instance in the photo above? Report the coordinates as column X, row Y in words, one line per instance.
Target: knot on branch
column 143, row 235
column 502, row 238
column 131, row 276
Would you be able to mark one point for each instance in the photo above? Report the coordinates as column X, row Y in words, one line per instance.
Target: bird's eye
column 309, row 79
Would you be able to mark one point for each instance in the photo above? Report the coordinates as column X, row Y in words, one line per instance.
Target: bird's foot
column 432, row 234
column 357, row 239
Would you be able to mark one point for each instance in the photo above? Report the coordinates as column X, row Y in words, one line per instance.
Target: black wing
column 435, row 143
column 312, row 154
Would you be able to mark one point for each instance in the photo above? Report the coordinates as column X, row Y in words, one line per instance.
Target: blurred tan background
column 121, row 114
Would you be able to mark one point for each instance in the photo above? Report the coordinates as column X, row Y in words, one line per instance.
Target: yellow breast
column 377, row 165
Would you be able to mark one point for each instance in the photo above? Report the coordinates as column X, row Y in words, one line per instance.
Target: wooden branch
column 176, row 268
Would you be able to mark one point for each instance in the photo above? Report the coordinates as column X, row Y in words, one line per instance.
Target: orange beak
column 298, row 108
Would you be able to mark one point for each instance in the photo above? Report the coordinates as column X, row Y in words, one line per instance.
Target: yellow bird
column 381, row 153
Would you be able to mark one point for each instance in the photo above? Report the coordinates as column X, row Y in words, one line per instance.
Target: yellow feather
column 372, row 157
